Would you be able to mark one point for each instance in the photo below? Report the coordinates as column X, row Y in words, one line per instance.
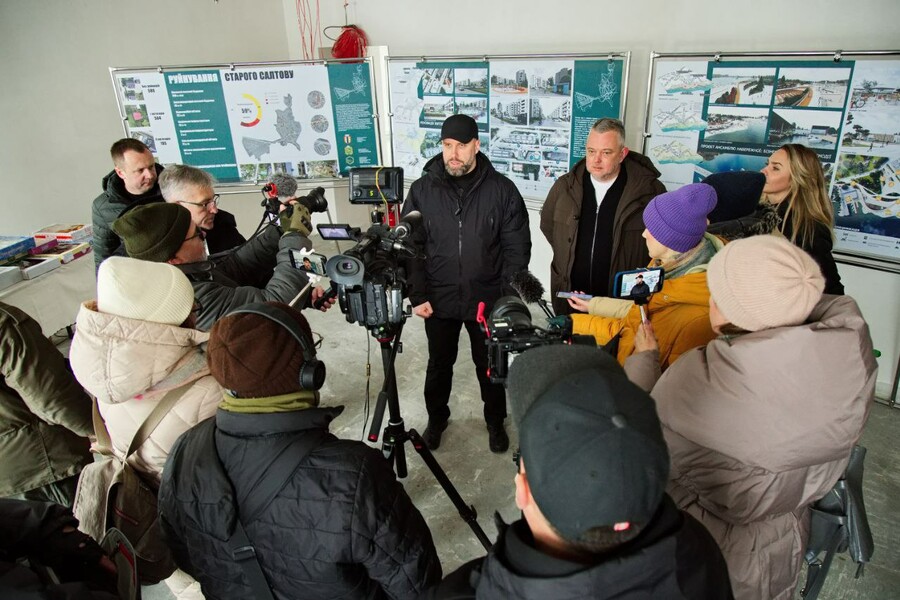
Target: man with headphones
column 263, row 501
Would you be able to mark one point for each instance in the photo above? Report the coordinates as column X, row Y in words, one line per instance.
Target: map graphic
column 681, row 118
column 684, row 80
column 286, row 126
column 675, row 152
column 607, row 90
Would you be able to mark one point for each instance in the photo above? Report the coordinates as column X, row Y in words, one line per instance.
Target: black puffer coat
column 472, row 243
column 342, row 527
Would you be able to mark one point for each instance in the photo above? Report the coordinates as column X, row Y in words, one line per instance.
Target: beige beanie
column 148, row 291
column 764, row 281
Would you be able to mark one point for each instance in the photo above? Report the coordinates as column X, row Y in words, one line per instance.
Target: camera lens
column 347, row 267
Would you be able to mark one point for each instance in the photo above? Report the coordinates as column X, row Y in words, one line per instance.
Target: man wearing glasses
column 193, row 189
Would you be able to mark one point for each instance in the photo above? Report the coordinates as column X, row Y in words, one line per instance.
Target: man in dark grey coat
column 592, row 474
column 336, row 523
column 132, row 183
column 475, row 236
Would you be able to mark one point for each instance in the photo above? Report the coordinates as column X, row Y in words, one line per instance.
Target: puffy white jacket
column 129, row 365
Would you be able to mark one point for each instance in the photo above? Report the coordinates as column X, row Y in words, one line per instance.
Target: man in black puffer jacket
column 340, row 526
column 475, row 237
column 597, row 523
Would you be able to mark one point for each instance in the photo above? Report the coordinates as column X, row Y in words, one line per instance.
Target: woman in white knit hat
column 132, row 345
column 760, row 422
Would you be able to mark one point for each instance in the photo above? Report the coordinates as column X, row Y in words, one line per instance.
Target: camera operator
column 167, row 233
column 475, row 235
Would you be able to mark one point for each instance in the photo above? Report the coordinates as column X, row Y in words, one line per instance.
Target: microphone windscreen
column 287, row 185
column 408, row 224
column 527, row 286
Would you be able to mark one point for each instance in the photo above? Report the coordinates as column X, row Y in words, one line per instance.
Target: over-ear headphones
column 312, row 373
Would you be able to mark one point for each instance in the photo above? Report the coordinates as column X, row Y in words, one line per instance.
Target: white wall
column 57, row 99
column 59, row 110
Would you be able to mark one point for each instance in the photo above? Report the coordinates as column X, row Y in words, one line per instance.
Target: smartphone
column 307, row 260
column 638, row 284
column 573, row 295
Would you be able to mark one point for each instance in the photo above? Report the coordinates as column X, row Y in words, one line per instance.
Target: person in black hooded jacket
column 593, row 468
column 475, row 236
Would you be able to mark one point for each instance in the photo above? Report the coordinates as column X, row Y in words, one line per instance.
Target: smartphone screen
column 312, row 262
column 573, row 295
column 639, row 283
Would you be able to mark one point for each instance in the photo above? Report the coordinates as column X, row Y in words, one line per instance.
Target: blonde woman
column 795, row 185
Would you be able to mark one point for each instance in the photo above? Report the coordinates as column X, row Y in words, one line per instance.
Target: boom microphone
column 281, row 186
column 530, row 290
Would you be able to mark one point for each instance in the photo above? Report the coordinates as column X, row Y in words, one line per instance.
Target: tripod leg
column 466, row 512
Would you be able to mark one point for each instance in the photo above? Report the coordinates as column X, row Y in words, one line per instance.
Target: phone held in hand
column 573, row 295
column 638, row 284
column 306, row 260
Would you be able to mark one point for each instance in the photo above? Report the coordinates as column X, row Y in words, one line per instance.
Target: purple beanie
column 678, row 219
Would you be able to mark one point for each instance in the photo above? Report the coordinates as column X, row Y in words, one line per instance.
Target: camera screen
column 639, row 284
column 311, row 262
column 335, row 232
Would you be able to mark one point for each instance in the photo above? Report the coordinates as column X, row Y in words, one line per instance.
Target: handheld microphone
column 407, row 225
column 530, row 290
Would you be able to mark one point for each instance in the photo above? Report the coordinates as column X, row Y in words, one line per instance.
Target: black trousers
column 443, row 344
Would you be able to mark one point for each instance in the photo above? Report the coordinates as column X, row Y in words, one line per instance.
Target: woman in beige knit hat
column 760, row 422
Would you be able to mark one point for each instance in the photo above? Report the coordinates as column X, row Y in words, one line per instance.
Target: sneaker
column 498, row 441
column 432, row 434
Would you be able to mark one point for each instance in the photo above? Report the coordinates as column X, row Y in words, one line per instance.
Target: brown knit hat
column 155, row 231
column 254, row 356
column 764, row 281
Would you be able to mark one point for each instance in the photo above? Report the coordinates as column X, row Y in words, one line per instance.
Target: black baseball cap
column 461, row 128
column 590, row 439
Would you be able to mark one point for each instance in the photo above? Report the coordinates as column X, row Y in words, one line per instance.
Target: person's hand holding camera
column 296, row 218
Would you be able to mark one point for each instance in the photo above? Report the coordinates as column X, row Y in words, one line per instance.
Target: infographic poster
column 243, row 124
column 709, row 117
column 533, row 115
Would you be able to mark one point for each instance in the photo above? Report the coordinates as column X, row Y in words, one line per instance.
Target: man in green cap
column 165, row 232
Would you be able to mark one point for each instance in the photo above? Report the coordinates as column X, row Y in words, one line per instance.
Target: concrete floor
column 485, row 480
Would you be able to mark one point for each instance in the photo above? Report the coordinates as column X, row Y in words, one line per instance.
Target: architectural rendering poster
column 708, row 117
column 243, row 124
column 533, row 114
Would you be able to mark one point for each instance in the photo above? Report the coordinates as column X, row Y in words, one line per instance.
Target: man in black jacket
column 475, row 236
column 593, row 468
column 339, row 526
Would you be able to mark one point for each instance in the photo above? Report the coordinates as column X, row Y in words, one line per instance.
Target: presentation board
column 244, row 122
column 711, row 114
column 533, row 112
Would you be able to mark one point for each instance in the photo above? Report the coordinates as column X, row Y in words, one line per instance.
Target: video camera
column 371, row 284
column 510, row 329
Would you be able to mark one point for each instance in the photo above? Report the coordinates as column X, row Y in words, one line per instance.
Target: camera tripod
column 396, row 435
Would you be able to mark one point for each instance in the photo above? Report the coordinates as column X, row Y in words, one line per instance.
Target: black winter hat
column 155, row 231
column 590, row 439
column 461, row 128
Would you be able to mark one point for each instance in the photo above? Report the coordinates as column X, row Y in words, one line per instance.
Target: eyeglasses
column 204, row 205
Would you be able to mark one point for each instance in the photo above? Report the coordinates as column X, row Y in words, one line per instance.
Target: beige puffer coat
column 760, row 426
column 129, row 365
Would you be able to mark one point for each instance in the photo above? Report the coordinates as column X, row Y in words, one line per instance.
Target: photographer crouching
column 167, row 233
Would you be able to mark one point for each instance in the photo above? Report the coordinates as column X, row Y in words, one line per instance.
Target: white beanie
column 144, row 290
column 764, row 281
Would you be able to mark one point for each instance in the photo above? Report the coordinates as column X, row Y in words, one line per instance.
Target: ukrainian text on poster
column 245, row 123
